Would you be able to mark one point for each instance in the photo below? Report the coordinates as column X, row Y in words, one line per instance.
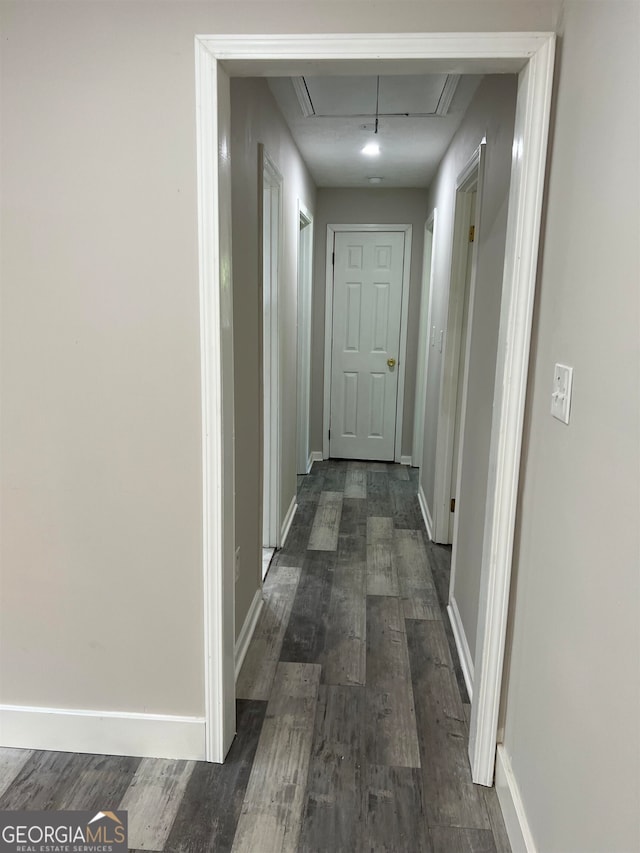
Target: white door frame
column 305, row 280
column 420, row 397
column 469, row 177
column 328, row 326
column 213, row 131
column 531, row 56
column 270, row 178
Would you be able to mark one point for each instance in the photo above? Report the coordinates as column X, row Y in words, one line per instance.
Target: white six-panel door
column 367, row 307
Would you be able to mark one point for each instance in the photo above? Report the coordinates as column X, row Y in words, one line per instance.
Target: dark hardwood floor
column 352, row 709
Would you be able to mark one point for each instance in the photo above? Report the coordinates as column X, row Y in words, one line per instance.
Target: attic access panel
column 417, row 95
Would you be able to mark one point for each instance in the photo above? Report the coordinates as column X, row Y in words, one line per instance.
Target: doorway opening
column 531, row 56
column 457, row 337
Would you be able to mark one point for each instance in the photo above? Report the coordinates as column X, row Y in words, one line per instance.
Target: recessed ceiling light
column 375, row 180
column 371, row 149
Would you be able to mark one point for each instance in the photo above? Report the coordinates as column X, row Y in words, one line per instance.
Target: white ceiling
column 332, row 118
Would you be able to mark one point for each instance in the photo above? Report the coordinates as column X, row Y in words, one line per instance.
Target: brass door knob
column 391, row 362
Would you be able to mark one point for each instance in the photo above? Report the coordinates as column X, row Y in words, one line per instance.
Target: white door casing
column 461, row 387
column 531, row 57
column 423, row 339
column 271, row 209
column 305, row 277
column 367, row 306
column 213, row 113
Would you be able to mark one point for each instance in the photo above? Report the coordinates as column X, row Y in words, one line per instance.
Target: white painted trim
column 406, row 460
column 532, row 56
column 464, row 653
column 424, row 509
column 216, row 359
column 422, row 366
column 246, row 632
column 332, row 230
column 316, row 456
column 449, row 375
column 103, row 732
column 328, row 338
column 514, row 339
column 288, row 520
column 468, row 176
column 404, row 323
column 377, row 46
column 449, row 90
column 304, row 290
column 515, row 817
column 302, row 94
column 271, row 176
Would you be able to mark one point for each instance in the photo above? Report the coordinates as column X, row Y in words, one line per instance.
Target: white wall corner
column 405, row 460
column 103, row 732
column 515, row 818
column 464, row 653
column 288, row 520
column 424, row 509
column 246, row 633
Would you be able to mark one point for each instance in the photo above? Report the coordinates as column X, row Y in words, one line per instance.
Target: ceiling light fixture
column 371, row 149
column 375, row 180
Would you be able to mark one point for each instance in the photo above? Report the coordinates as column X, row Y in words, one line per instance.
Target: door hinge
column 453, row 505
column 329, row 435
column 333, row 259
column 472, row 233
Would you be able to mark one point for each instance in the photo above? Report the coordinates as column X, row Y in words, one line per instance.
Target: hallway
column 355, row 605
column 352, row 715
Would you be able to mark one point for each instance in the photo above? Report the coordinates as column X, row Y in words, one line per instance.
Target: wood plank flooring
column 352, row 713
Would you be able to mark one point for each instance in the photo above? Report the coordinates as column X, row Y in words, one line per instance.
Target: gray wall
column 383, row 206
column 255, row 118
column 572, row 703
column 491, row 115
column 101, row 546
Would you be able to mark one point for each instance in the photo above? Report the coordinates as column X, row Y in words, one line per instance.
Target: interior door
column 367, row 307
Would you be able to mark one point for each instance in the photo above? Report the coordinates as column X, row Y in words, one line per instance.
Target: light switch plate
column 561, row 392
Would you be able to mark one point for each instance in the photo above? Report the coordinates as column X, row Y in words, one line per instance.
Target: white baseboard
column 405, row 460
column 515, row 818
column 426, row 515
column 246, row 632
column 315, row 456
column 288, row 519
column 103, row 732
column 462, row 646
